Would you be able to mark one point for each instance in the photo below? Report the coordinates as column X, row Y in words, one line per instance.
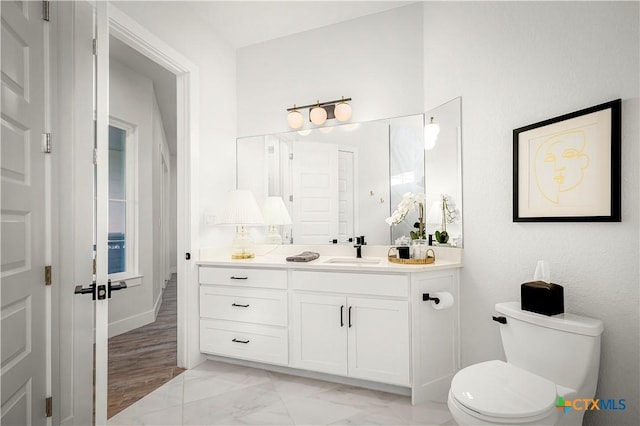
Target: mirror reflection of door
column 315, row 193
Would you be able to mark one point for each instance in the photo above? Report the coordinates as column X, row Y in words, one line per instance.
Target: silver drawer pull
column 240, row 306
column 238, row 278
column 240, row 341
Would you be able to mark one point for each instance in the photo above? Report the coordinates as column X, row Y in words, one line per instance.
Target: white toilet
column 547, row 357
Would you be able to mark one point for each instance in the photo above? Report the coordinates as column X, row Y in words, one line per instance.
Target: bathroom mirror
column 443, row 172
column 344, row 181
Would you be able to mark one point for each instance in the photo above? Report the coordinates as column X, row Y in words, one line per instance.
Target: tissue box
column 542, row 298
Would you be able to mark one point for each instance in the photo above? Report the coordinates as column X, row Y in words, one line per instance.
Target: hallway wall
column 132, row 100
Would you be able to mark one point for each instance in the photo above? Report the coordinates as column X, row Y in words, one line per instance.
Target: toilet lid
column 498, row 389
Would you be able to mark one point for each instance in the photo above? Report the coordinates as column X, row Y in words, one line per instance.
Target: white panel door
column 101, row 336
column 91, row 101
column 315, row 193
column 22, row 297
column 319, row 333
column 379, row 340
column 346, row 194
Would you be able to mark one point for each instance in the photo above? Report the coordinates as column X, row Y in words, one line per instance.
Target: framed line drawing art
column 568, row 168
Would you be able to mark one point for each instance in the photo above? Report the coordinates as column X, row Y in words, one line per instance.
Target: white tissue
column 446, row 300
column 542, row 273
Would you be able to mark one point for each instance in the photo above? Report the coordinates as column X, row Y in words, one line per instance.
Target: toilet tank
column 563, row 348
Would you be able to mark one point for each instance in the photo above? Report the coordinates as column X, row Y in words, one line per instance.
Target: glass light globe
column 295, row 119
column 431, row 131
column 342, row 111
column 318, row 115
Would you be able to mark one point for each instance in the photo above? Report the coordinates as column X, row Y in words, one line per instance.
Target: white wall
column 515, row 64
column 376, row 60
column 182, row 29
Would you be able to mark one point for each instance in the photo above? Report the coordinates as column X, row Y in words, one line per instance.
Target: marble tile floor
column 216, row 393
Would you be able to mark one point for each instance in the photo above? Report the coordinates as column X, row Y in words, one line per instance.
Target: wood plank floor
column 143, row 359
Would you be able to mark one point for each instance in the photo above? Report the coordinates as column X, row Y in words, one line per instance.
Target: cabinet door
column 378, row 340
column 320, row 333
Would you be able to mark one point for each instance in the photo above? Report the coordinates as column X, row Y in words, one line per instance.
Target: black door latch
column 100, row 292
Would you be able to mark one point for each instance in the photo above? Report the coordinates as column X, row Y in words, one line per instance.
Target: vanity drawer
column 250, row 305
column 244, row 277
column 354, row 283
column 247, row 341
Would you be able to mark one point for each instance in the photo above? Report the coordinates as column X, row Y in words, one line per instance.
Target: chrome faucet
column 358, row 246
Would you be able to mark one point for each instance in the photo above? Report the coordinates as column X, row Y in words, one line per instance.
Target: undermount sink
column 353, row 261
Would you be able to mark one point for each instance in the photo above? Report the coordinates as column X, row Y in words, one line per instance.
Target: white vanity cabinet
column 369, row 325
column 362, row 334
column 243, row 313
column 358, row 337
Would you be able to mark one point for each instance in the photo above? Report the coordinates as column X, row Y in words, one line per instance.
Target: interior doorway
column 142, row 226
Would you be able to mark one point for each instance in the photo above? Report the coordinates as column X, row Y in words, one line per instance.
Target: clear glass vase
column 419, row 248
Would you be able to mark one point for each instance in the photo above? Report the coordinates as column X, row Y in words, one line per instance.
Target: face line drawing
column 563, row 159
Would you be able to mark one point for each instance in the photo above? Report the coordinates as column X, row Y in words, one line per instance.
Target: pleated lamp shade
column 241, row 208
column 275, row 213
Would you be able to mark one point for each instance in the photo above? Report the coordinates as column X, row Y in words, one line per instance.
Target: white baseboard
column 156, row 306
column 130, row 323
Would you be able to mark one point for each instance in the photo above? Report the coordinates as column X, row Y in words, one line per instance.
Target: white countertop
column 275, row 257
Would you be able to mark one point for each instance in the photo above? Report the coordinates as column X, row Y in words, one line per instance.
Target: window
column 121, row 240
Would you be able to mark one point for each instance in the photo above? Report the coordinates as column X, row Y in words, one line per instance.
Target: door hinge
column 47, row 275
column 94, row 46
column 46, row 143
column 95, row 156
column 48, row 406
column 45, row 10
column 291, row 156
column 291, row 198
column 94, row 266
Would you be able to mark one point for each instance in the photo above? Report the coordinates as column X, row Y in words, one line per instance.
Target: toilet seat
column 501, row 391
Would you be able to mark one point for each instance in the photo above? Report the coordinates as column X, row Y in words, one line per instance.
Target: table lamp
column 275, row 213
column 242, row 210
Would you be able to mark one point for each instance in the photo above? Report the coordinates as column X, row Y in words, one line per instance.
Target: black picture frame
column 568, row 168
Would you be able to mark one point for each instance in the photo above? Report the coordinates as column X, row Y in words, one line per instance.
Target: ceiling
column 243, row 23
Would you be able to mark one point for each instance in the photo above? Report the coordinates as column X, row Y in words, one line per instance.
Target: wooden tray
column 431, row 257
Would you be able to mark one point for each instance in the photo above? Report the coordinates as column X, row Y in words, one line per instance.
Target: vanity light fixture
column 241, row 210
column 320, row 112
column 431, row 130
column 275, row 213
